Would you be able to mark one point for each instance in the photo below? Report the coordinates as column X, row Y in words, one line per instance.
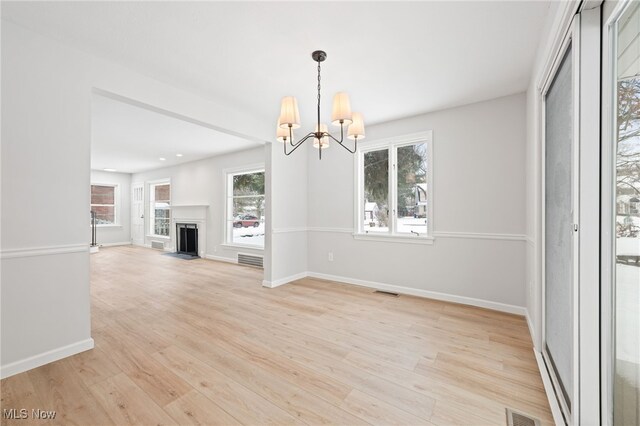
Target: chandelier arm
column 355, row 146
column 297, row 145
column 291, row 139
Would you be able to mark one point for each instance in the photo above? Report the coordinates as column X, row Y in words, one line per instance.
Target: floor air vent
column 387, row 293
column 157, row 245
column 518, row 419
column 250, row 259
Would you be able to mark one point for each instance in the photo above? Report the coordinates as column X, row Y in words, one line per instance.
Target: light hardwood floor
column 201, row 342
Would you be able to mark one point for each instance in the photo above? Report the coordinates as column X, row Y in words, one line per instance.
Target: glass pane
column 105, row 215
column 558, row 227
column 412, row 189
column 247, row 226
column 248, row 184
column 376, row 191
column 162, row 220
column 626, row 393
column 102, row 194
column 248, row 209
column 162, row 193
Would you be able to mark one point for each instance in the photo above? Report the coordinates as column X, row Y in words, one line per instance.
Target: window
column 160, row 209
column 394, row 182
column 245, row 208
column 103, row 204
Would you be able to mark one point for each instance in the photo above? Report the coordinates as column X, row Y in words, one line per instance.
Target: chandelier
column 341, row 116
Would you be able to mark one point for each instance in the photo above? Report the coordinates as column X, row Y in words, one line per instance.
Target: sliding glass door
column 621, row 236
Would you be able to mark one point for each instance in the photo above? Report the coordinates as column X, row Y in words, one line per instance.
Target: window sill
column 244, row 246
column 162, row 237
column 394, row 238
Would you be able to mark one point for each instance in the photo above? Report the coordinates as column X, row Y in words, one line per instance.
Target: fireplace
column 187, row 238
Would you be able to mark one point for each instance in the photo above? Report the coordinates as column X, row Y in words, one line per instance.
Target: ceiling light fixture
column 162, row 159
column 178, row 155
column 341, row 115
column 109, row 170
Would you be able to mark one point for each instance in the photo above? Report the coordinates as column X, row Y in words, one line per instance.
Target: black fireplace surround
column 187, row 238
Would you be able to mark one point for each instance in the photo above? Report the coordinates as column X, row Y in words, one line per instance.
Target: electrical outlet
column 330, row 256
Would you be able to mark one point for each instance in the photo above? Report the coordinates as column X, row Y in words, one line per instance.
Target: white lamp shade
column 282, row 134
column 289, row 114
column 356, row 129
column 324, row 142
column 341, row 109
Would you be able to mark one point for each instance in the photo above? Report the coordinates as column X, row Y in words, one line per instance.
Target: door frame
column 571, row 39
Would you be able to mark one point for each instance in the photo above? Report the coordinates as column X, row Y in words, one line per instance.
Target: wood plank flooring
column 201, row 342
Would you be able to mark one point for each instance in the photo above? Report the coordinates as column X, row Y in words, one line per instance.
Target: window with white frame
column 394, row 188
column 160, row 209
column 245, row 208
column 103, row 203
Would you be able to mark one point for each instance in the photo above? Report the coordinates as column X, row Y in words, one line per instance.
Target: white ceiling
column 395, row 59
column 132, row 139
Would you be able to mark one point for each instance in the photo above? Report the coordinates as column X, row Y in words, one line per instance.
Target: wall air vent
column 157, row 245
column 250, row 260
column 518, row 419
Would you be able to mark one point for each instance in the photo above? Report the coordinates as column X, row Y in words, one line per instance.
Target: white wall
column 121, row 232
column 479, row 185
column 287, row 191
column 46, row 134
column 203, row 182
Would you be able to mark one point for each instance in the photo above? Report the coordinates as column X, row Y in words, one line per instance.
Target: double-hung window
column 395, row 188
column 245, row 208
column 160, row 209
column 103, row 203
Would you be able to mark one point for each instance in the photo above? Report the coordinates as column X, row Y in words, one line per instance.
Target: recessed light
column 162, row 158
column 109, row 170
column 178, row 155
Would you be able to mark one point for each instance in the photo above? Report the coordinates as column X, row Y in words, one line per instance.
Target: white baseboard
column 220, row 258
column 123, row 243
column 496, row 306
column 532, row 330
column 45, row 358
column 548, row 387
column 285, row 280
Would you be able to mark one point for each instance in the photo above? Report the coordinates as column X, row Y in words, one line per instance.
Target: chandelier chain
column 319, row 95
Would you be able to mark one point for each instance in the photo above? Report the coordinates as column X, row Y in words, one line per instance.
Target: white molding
column 45, row 358
column 289, row 230
column 220, row 258
column 285, row 280
column 331, row 230
column 481, row 303
column 389, row 238
column 532, row 330
column 123, row 243
column 548, row 387
column 238, row 246
column 481, row 236
column 44, row 251
column 400, row 238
